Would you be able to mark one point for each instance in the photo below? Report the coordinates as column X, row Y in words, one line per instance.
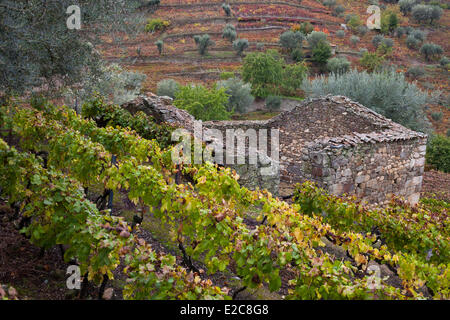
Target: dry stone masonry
column 341, row 145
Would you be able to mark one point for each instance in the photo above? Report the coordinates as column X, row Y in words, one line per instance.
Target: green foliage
column 273, row 103
column 354, row 22
column 329, row 3
column 321, row 53
column 240, row 97
column 167, row 87
column 386, row 92
column 338, row 10
column 415, row 230
column 418, row 34
column 389, row 21
column 160, row 46
column 316, row 37
column 156, row 24
column 263, row 71
column 444, row 61
column 306, row 28
column 412, row 42
column 203, row 103
column 291, row 40
column 203, row 42
column 112, row 115
column 354, row 40
column 293, row 77
column 448, row 133
column 226, row 75
column 338, row 65
column 377, row 39
column 437, row 116
column 340, row 33
column 426, row 14
column 415, row 72
column 227, row 9
column 406, row 6
column 362, row 30
column 438, row 153
column 297, row 55
column 229, row 32
column 431, row 51
column 385, row 48
column 240, row 45
column 39, row 50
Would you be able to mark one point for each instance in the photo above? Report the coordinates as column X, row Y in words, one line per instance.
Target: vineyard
column 58, row 176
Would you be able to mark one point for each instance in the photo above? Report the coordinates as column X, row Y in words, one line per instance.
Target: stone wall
column 337, row 143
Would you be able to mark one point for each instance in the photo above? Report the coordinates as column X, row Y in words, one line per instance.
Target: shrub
column 240, row 97
column 448, row 133
column 338, row 10
column 389, row 21
column 371, row 61
column 362, row 51
column 160, row 46
column 438, row 153
column 437, row 116
column 386, row 92
column 377, row 39
column 338, row 65
column 273, row 102
column 229, row 32
column 297, row 55
column 329, row 3
column 291, row 40
column 156, row 25
column 362, row 30
column 293, row 77
column 340, row 33
column 400, row 32
column 354, row 40
column 264, row 71
column 354, row 23
column 203, row 42
column 306, row 28
column 389, row 43
column 203, row 103
column 415, row 72
column 412, row 42
column 406, row 6
column 431, row 50
column 444, row 61
column 425, row 13
column 240, row 45
column 315, row 37
column 227, row 9
column 418, row 34
column 321, row 53
column 226, row 75
column 167, row 87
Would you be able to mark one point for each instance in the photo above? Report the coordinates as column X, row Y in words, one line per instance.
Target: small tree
column 291, row 40
column 340, row 33
column 321, row 53
column 306, row 28
column 389, row 21
column 371, row 61
column 160, row 46
column 377, row 39
column 354, row 22
column 354, row 40
column 273, row 103
column 412, row 42
column 406, row 6
column 167, row 87
column 425, row 13
column 415, row 72
column 264, row 71
column 293, row 77
column 203, row 103
column 329, row 3
column 229, row 32
column 338, row 10
column 362, row 30
column 315, row 37
column 338, row 65
column 438, row 153
column 240, row 97
column 227, row 9
column 203, row 42
column 240, row 45
column 297, row 55
column 431, row 50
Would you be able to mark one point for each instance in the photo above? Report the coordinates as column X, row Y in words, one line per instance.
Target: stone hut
column 341, row 145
